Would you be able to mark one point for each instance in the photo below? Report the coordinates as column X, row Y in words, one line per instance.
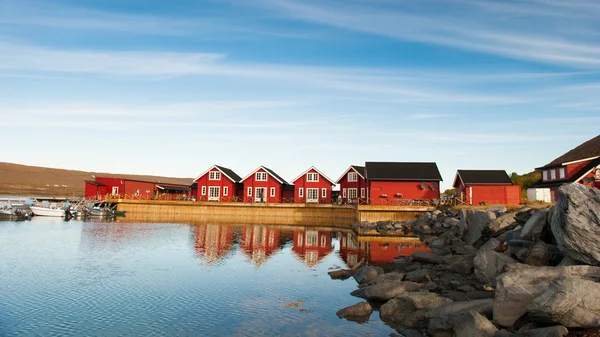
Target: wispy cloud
column 429, row 116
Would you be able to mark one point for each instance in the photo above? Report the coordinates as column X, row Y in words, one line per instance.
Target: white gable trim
column 319, row 172
column 346, row 172
column 580, row 160
column 266, row 170
column 586, row 173
column 210, row 169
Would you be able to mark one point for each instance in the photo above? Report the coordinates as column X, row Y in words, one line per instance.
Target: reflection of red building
column 351, row 250
column 213, row 242
column 259, row 242
column 312, row 246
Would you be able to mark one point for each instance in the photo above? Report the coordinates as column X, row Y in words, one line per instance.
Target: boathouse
column 218, row 183
column 264, row 185
column 393, row 183
column 580, row 165
column 125, row 188
column 353, row 185
column 492, row 187
column 312, row 186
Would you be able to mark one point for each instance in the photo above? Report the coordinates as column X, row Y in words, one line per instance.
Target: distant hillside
column 25, row 180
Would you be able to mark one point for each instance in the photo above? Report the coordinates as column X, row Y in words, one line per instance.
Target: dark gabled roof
column 173, row 188
column 277, row 176
column 402, row 171
column 194, row 185
column 359, row 169
column 93, row 182
column 230, row 173
column 575, row 177
column 484, row 177
column 589, row 149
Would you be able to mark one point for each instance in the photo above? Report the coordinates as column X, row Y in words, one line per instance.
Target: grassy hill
column 25, row 180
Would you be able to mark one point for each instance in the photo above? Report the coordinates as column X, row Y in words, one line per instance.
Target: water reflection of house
column 375, row 250
column 260, row 242
column 311, row 246
column 213, row 242
column 351, row 250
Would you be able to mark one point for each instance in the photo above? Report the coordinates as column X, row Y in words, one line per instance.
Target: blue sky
column 170, row 88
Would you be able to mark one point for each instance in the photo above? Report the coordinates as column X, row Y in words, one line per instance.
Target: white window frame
column 115, row 190
column 301, row 192
column 249, row 193
column 343, row 193
column 214, row 175
column 203, row 192
column 352, row 176
column 261, row 176
column 272, row 192
column 225, row 191
column 312, row 195
column 312, row 177
column 553, row 174
column 137, row 192
column 323, row 193
column 562, row 173
column 355, row 190
column 323, row 240
column 545, row 175
column 217, row 196
column 363, row 193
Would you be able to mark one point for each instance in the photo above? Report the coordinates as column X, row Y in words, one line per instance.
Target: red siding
column 359, row 184
column 204, row 180
column 302, row 183
column 146, row 190
column 110, row 184
column 493, row 195
column 408, row 189
column 575, row 168
column 251, row 182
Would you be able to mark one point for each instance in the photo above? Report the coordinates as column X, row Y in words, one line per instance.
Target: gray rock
column 538, row 255
column 389, row 277
column 551, row 331
column 413, row 266
column 476, row 222
column 569, row 301
column 386, row 290
column 427, row 258
column 534, row 227
column 361, row 309
column 466, row 288
column 479, row 295
column 488, row 264
column 410, row 308
column 367, row 274
column 484, row 307
column 462, row 264
column 576, row 222
column 502, row 224
column 451, row 222
column 473, row 324
column 568, row 261
column 521, row 284
column 463, row 249
column 418, row 275
column 519, row 248
column 462, row 224
column 497, row 209
column 440, row 327
column 410, row 333
column 342, row 274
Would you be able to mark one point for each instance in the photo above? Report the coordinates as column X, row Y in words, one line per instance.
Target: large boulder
column 359, row 310
column 488, row 264
column 473, row 324
column 462, row 264
column 386, row 290
column 576, row 222
column 503, row 224
column 418, row 275
column 367, row 274
column 521, row 284
column 389, row 277
column 572, row 302
column 476, row 222
column 534, row 227
column 341, row 274
column 410, row 309
column 484, row 307
column 538, row 255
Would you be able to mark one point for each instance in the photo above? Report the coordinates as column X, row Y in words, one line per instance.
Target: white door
column 352, row 194
column 260, row 194
column 115, row 190
column 312, row 195
column 214, row 193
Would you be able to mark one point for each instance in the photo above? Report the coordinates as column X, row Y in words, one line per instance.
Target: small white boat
column 46, row 211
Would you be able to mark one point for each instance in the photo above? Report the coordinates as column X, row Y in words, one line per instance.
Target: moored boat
column 47, row 211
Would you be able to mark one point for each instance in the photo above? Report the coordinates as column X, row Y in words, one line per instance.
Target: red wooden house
column 353, row 185
column 312, row 246
column 492, row 187
column 125, row 188
column 312, row 186
column 218, row 183
column 580, row 165
column 391, row 182
column 264, row 185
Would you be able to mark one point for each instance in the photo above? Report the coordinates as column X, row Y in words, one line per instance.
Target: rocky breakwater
column 492, row 273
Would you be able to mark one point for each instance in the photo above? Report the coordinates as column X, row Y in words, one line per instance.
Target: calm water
column 102, row 279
